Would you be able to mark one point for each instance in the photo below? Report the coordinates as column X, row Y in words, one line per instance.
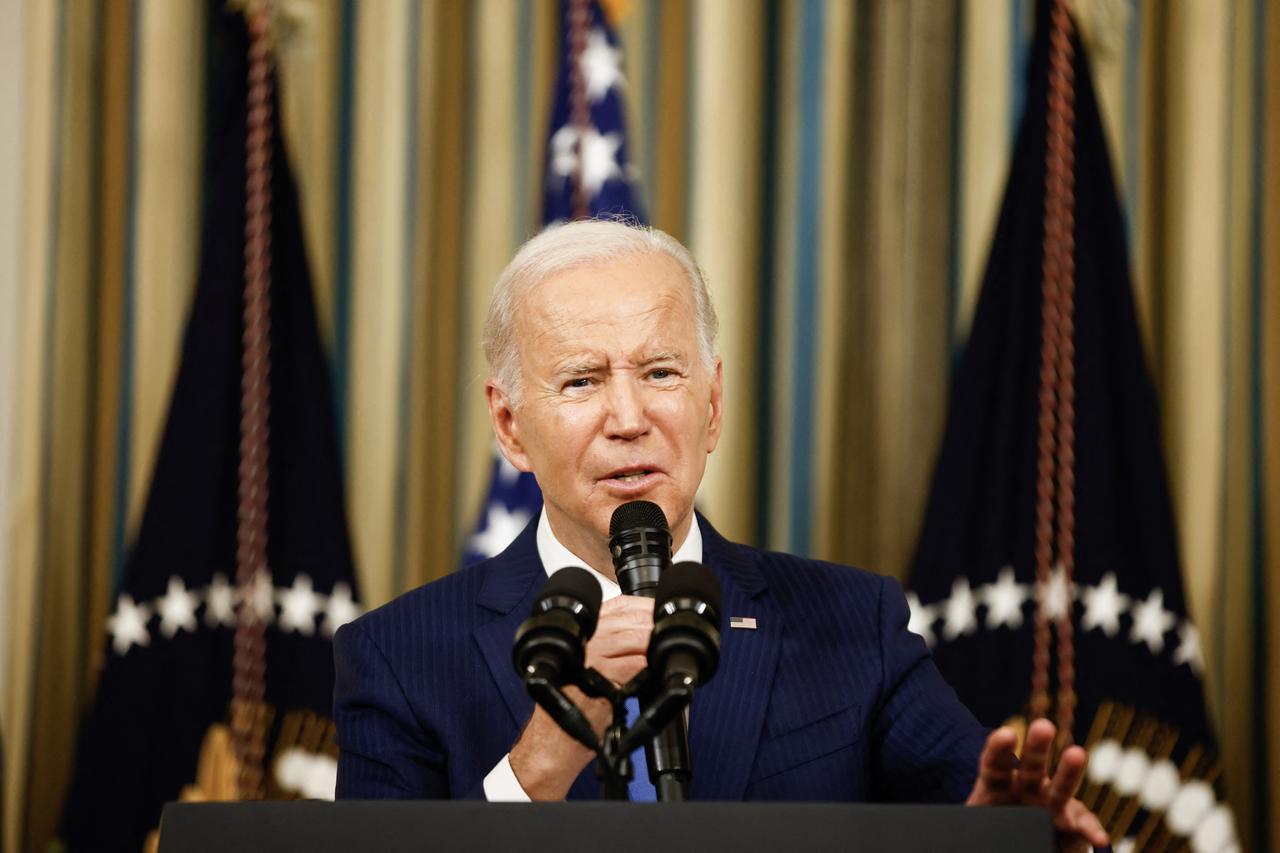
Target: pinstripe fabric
column 829, row 699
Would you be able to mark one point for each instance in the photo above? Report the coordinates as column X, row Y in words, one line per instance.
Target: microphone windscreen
column 577, row 583
column 689, row 580
column 637, row 514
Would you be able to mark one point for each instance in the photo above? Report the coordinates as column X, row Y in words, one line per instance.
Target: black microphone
column 640, row 543
column 685, row 649
column 550, row 647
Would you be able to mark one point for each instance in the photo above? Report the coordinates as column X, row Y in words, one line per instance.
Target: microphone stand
column 670, row 765
column 661, row 729
column 613, row 764
column 667, row 703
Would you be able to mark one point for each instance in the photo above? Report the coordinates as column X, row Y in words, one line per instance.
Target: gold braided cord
column 253, row 575
column 579, row 109
column 1055, row 468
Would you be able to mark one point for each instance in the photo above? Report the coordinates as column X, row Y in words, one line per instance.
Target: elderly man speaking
column 605, row 383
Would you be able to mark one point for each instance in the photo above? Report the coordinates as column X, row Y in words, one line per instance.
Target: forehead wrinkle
column 556, row 312
column 561, row 326
column 545, row 325
column 564, row 322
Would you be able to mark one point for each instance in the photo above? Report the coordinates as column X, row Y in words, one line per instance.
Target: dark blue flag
column 593, row 158
column 1153, row 772
column 158, row 723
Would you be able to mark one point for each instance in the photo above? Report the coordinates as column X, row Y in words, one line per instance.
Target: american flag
column 587, row 174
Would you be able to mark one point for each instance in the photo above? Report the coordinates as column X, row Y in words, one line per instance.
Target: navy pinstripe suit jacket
column 830, row 698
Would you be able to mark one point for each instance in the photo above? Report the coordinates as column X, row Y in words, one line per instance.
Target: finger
column 995, row 767
column 622, row 627
column 1066, row 779
column 1086, row 824
column 622, row 669
column 1035, row 758
column 623, row 620
column 628, row 608
column 619, row 641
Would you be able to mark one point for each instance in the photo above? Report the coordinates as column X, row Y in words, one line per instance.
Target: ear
column 506, row 425
column 715, row 407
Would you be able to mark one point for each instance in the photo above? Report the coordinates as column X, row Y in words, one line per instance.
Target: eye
column 579, row 382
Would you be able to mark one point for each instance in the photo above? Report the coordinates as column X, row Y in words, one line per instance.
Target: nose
column 627, row 417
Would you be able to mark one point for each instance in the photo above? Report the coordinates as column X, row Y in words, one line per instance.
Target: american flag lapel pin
column 746, row 623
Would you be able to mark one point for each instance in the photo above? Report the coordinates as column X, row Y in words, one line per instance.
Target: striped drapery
column 836, row 167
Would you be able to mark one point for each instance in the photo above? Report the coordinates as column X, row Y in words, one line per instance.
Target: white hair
column 563, row 247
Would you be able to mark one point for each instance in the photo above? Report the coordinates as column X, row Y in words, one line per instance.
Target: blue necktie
column 640, row 789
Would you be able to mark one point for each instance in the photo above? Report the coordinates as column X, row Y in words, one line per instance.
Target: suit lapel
column 511, row 583
column 728, row 714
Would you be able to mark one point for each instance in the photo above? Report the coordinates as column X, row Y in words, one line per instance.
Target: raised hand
column 1004, row 779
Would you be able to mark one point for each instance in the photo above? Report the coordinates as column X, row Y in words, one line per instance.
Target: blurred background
column 837, row 166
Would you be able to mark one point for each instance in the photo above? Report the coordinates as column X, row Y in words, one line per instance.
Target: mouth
column 635, row 477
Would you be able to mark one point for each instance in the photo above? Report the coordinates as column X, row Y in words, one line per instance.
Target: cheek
column 578, row 420
column 685, row 421
column 567, row 429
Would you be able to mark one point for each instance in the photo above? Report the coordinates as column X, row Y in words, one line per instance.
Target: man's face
column 617, row 403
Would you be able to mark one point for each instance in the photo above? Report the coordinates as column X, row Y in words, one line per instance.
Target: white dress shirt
column 501, row 784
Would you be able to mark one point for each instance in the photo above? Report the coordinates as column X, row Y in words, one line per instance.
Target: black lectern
column 599, row 827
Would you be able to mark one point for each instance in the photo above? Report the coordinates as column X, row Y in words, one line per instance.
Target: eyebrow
column 586, row 367
column 663, row 356
column 578, row 368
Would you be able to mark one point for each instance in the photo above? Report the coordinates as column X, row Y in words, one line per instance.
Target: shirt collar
column 555, row 556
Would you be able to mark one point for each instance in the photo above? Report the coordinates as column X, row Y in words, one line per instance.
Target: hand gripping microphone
column 640, row 542
column 550, row 647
